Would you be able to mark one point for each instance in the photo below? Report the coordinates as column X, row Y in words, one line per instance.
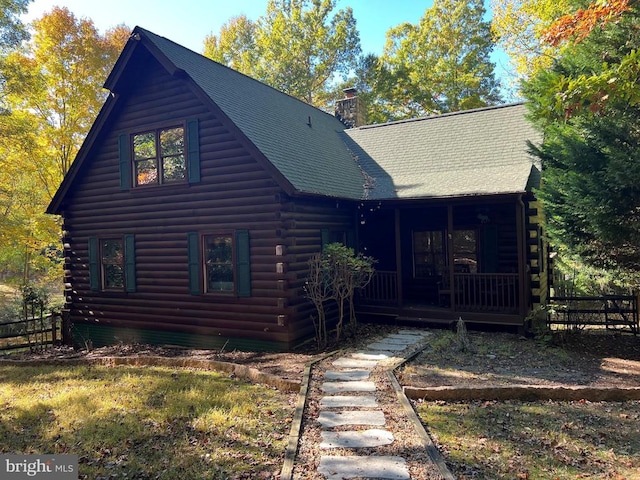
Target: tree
column 317, row 288
column 336, row 274
column 588, row 109
column 235, row 45
column 12, row 30
column 519, row 26
column 297, row 47
column 52, row 94
column 441, row 64
column 580, row 23
column 59, row 79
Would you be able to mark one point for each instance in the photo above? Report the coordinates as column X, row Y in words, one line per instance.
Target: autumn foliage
column 578, row 25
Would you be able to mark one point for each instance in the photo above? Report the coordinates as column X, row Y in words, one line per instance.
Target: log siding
column 234, row 193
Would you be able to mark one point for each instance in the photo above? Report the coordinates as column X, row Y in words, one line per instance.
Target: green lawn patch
column 145, row 423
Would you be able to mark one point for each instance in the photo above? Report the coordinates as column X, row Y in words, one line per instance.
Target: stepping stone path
column 349, row 400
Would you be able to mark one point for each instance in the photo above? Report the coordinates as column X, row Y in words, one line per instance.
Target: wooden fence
column 31, row 333
column 608, row 311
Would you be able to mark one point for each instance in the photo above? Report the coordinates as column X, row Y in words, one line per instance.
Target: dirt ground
column 596, row 359
column 605, row 359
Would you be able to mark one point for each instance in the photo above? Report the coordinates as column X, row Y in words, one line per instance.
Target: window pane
column 146, row 172
column 171, row 141
column 428, row 253
column 219, row 263
column 144, row 146
column 113, row 276
column 464, row 251
column 174, row 169
column 437, row 242
column 112, row 252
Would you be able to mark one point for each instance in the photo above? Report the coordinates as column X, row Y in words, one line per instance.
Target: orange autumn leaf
column 579, row 24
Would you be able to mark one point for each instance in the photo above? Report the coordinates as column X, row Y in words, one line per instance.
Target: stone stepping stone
column 355, row 417
column 341, row 401
column 344, row 467
column 386, row 346
column 347, row 374
column 372, row 355
column 413, row 332
column 351, row 386
column 345, row 362
column 401, row 340
column 356, row 439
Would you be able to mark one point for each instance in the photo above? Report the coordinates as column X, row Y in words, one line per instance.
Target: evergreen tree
column 588, row 108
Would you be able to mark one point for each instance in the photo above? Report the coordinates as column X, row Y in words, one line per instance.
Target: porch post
column 452, row 295
column 396, row 212
column 522, row 259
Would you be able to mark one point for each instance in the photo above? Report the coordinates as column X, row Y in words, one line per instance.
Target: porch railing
column 486, row 291
column 383, row 288
column 473, row 291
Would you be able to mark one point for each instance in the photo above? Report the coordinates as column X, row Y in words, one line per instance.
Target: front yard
column 165, row 423
column 145, row 423
column 543, row 440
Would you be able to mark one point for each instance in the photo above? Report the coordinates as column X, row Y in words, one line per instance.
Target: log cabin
column 199, row 194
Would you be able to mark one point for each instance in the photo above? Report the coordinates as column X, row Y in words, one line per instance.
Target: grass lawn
column 145, row 423
column 537, row 440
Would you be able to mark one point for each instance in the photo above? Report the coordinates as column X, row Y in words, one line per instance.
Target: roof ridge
column 442, row 115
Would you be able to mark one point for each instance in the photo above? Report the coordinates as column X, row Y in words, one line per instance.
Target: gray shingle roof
column 474, row 152
column 313, row 158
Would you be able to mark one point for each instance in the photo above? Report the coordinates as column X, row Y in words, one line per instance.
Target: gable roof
column 473, row 152
column 299, row 140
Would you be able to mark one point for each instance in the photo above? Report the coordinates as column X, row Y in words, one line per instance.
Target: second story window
column 167, row 155
column 159, row 156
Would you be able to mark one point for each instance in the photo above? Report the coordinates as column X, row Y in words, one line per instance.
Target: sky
column 188, row 22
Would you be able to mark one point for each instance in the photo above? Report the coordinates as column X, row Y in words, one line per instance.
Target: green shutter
column 125, row 161
column 193, row 153
column 193, row 246
column 94, row 270
column 129, row 263
column 243, row 263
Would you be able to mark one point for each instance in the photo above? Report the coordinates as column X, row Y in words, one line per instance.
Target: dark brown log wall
column 304, row 220
column 235, row 192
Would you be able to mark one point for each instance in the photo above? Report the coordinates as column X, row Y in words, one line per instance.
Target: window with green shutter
column 219, row 263
column 160, row 156
column 112, row 263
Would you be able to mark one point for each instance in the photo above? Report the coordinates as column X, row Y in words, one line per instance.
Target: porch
column 476, row 297
column 441, row 260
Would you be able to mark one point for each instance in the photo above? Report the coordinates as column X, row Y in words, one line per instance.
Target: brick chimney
column 350, row 110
